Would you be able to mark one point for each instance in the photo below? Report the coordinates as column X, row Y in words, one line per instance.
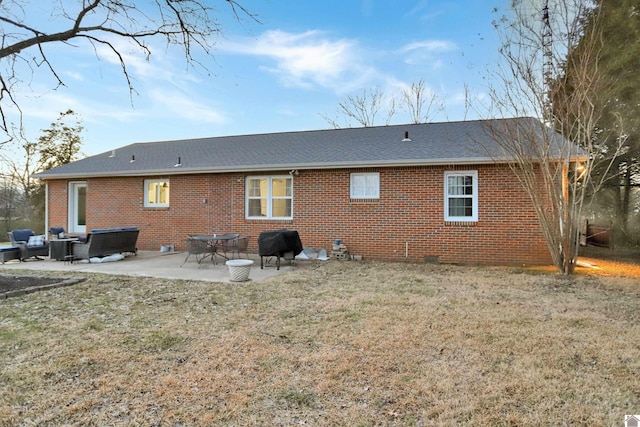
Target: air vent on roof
column 406, row 137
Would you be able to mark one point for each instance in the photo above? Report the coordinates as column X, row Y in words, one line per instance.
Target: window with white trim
column 269, row 197
column 365, row 185
column 156, row 193
column 461, row 196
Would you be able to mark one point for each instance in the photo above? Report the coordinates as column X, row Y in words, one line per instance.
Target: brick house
column 436, row 191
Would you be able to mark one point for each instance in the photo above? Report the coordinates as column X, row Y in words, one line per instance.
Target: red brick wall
column 405, row 224
column 57, row 203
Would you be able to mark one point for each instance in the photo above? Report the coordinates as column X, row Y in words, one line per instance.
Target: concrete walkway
column 165, row 265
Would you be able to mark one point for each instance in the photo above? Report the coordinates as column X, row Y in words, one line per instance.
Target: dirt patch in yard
column 11, row 285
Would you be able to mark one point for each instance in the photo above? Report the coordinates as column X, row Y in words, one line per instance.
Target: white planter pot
column 239, row 269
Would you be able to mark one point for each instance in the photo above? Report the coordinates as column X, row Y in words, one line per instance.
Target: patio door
column 78, row 207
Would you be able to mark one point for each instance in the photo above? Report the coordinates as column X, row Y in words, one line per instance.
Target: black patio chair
column 236, row 246
column 197, row 247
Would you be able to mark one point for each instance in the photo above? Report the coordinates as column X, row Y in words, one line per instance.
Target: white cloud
column 162, row 64
column 133, row 58
column 303, row 59
column 187, row 108
column 46, row 106
column 436, row 65
column 431, row 46
column 74, row 75
column 426, row 52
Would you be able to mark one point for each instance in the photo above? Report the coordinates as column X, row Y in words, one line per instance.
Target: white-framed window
column 461, row 196
column 156, row 193
column 365, row 185
column 269, row 197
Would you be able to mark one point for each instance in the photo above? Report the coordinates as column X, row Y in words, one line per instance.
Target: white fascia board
column 284, row 166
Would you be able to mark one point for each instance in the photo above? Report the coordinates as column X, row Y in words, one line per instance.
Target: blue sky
column 286, row 73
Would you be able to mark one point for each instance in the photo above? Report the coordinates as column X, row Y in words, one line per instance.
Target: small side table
column 60, row 249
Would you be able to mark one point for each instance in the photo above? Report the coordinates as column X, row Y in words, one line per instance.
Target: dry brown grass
column 328, row 344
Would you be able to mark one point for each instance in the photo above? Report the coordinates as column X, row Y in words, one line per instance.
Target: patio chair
column 60, row 233
column 30, row 244
column 197, row 247
column 55, row 232
column 237, row 246
column 229, row 246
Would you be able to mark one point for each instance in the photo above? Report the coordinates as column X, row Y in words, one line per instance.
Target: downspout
column 46, row 206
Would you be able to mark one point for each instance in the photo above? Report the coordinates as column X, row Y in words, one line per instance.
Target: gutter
column 267, row 168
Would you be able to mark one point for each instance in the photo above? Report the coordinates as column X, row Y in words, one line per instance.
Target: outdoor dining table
column 214, row 243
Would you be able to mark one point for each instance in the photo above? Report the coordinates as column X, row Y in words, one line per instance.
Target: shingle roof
column 465, row 142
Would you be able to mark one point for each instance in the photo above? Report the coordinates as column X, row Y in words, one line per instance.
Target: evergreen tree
column 617, row 104
column 58, row 145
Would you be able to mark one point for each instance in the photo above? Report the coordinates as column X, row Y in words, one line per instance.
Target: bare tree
column 18, row 175
column 364, row 108
column 59, row 144
column 190, row 24
column 11, row 199
column 553, row 170
column 419, row 102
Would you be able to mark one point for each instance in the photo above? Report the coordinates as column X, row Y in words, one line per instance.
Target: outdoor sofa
column 30, row 244
column 106, row 241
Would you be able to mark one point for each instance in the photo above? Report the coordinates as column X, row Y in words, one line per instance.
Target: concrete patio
column 164, row 265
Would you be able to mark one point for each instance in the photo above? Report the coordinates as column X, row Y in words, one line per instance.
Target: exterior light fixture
column 581, row 170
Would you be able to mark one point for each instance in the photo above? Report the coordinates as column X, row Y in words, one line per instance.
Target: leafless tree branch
column 363, row 108
column 535, row 48
column 419, row 102
column 189, row 24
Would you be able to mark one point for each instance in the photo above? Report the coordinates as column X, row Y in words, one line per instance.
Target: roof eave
column 285, row 166
column 271, row 167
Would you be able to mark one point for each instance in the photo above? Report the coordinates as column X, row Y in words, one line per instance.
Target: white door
column 77, row 207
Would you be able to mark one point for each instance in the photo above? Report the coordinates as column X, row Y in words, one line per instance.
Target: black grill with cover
column 280, row 244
